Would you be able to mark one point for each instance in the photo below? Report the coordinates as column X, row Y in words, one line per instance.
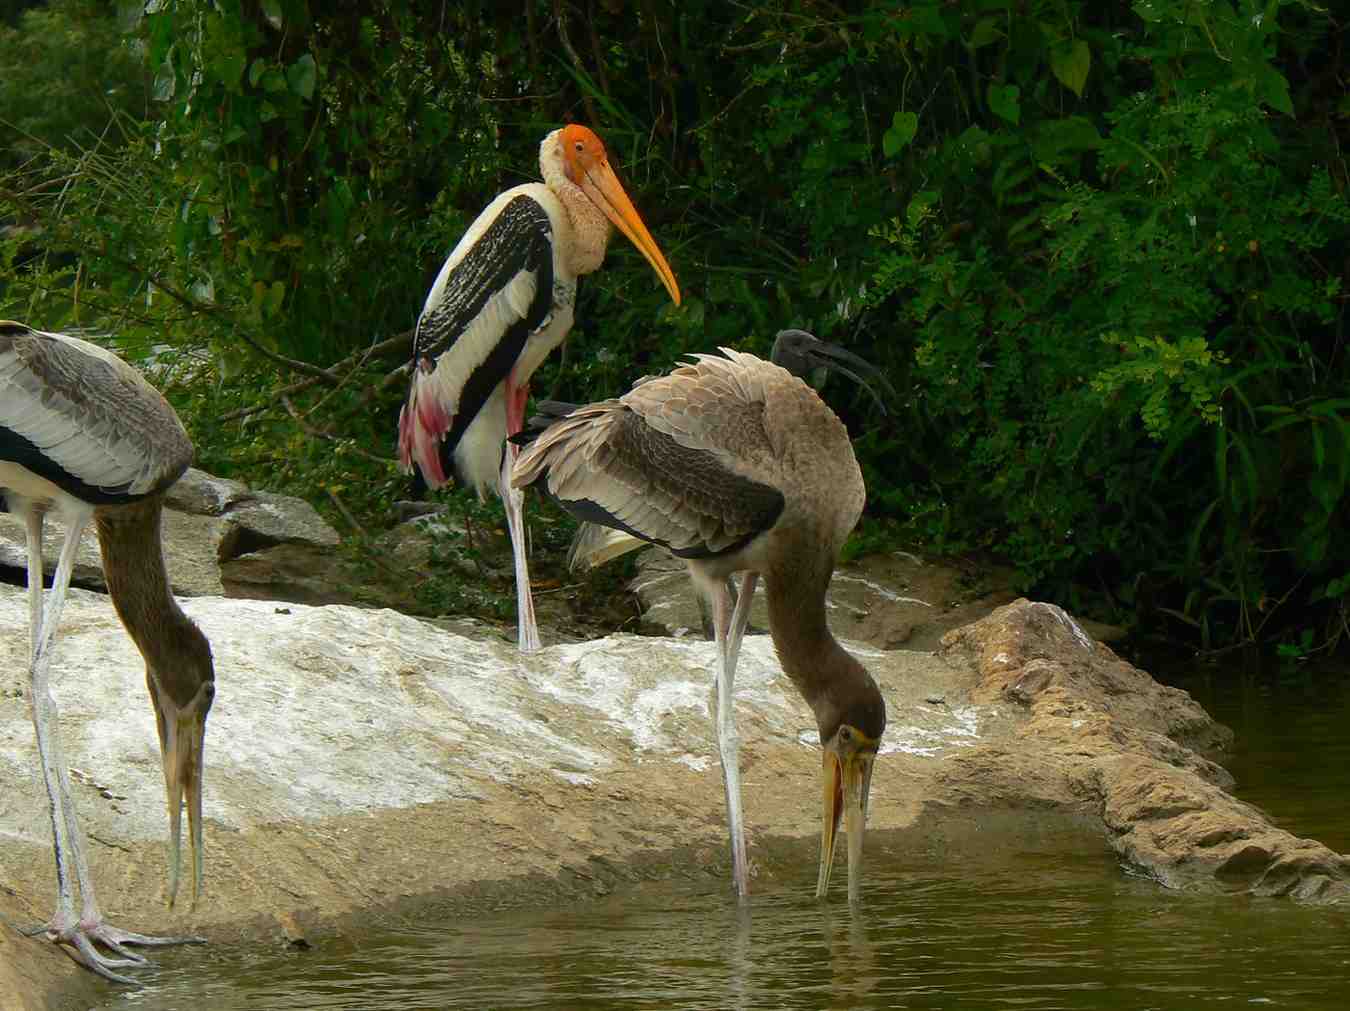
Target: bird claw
column 78, row 941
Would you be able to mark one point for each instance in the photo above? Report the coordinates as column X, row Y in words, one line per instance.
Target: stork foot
column 81, row 942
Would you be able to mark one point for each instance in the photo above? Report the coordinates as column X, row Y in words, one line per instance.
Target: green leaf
column 1273, row 89
column 1071, row 63
column 1003, row 102
column 904, row 125
column 229, row 68
column 919, row 205
column 272, row 12
column 986, row 32
column 301, row 76
column 1149, row 10
column 255, row 71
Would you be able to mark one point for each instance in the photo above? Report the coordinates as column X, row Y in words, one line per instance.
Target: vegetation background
column 1101, row 248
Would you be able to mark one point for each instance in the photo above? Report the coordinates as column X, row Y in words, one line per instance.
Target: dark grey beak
column 800, row 352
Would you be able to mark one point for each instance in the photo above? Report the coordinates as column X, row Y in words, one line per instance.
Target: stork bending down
column 736, row 465
column 84, row 436
column 503, row 301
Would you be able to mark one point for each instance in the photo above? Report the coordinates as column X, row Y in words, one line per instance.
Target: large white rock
column 322, row 711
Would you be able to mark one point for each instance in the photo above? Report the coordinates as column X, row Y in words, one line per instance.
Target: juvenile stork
column 502, row 301
column 736, row 465
column 85, row 437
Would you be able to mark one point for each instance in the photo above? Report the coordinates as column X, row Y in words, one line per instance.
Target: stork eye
column 579, row 146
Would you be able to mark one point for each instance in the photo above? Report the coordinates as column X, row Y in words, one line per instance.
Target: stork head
column 182, row 683
column 850, row 737
column 802, row 354
column 581, row 157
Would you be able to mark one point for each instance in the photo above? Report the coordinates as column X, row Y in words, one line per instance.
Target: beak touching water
column 182, row 733
column 847, row 779
column 589, row 168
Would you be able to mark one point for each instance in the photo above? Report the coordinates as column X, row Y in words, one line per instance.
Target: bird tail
column 546, row 413
column 422, row 425
column 594, row 545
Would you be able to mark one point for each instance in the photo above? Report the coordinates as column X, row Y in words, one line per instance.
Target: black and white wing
column 77, row 416
column 495, row 289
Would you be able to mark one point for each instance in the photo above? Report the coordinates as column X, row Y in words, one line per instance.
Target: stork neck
column 826, row 674
column 133, row 565
column 590, row 228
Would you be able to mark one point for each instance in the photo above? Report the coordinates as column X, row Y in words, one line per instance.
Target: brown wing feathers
column 661, row 463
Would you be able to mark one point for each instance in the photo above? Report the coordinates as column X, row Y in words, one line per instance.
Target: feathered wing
column 678, row 461
column 495, row 289
column 83, row 419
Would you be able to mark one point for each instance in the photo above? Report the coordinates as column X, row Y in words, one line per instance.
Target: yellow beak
column 181, row 737
column 846, row 783
column 602, row 186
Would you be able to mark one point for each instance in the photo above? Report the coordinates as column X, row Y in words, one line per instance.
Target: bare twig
column 341, row 507
column 343, row 369
column 319, row 433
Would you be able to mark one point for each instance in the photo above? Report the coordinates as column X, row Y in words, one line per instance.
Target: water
column 987, row 930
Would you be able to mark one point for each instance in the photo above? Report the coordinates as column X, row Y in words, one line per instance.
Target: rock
column 189, row 553
column 1130, row 749
column 359, row 760
column 302, row 573
column 887, row 601
column 410, row 509
column 205, row 494
column 210, row 521
column 265, row 519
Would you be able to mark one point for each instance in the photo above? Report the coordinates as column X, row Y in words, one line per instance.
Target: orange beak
column 602, row 186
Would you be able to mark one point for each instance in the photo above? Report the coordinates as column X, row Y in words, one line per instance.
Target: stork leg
column 729, row 629
column 79, row 934
column 513, row 499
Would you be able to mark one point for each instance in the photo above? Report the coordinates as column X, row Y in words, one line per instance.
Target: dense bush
column 1101, row 249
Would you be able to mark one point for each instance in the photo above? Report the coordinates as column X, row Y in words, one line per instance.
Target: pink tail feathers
column 422, row 425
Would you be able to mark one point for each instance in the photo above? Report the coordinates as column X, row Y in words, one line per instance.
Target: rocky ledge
column 363, row 762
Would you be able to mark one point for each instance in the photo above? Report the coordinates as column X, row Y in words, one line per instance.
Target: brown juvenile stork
column 503, row 301
column 85, row 437
column 736, row 465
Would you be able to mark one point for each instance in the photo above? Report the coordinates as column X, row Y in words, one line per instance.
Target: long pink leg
column 514, row 501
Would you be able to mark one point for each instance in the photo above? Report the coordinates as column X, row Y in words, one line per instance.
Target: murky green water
column 1002, row 930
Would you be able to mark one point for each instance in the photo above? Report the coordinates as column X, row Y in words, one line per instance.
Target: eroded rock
column 1131, row 747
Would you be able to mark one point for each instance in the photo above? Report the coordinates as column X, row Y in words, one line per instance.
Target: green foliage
column 1099, row 248
column 66, row 73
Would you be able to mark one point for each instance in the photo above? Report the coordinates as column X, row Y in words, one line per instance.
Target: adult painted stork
column 502, row 301
column 84, row 437
column 736, row 465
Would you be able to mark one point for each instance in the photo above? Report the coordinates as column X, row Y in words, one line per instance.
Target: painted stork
column 85, row 437
column 502, row 301
column 736, row 465
column 801, row 353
